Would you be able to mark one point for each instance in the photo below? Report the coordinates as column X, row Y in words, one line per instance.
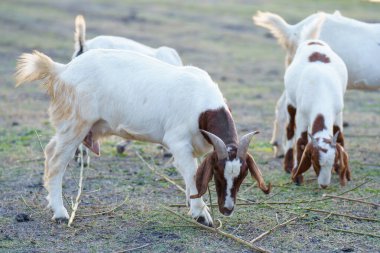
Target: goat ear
column 311, row 31
column 256, row 174
column 344, row 170
column 204, row 175
column 304, row 165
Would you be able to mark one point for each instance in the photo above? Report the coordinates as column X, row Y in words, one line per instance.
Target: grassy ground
column 247, row 64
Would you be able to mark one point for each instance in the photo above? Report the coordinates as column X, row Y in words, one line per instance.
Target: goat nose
column 323, row 186
column 227, row 211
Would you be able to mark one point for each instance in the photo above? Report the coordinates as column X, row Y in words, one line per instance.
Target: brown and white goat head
column 325, row 155
column 229, row 165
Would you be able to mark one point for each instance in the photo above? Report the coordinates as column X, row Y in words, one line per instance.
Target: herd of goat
column 117, row 86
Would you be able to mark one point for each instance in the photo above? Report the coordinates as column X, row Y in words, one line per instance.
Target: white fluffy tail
column 281, row 30
column 37, row 66
column 80, row 35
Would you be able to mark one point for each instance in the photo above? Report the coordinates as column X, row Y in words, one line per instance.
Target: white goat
column 124, row 93
column 343, row 35
column 165, row 54
column 315, row 83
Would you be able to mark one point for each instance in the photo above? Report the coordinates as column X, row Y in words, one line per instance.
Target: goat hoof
column 202, row 220
column 63, row 220
column 288, row 170
column 120, row 149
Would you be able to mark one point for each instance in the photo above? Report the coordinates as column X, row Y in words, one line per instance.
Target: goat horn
column 219, row 146
column 334, row 139
column 313, row 140
column 244, row 144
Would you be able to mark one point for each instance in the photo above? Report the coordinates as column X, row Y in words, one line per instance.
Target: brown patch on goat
column 256, row 174
column 310, row 157
column 204, row 174
column 220, row 123
column 340, row 139
column 289, row 161
column 318, row 124
column 315, row 43
column 292, row 122
column 319, row 57
column 341, row 161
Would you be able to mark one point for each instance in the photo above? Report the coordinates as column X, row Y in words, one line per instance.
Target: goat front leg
column 302, row 140
column 338, row 126
column 279, row 125
column 187, row 166
column 290, row 129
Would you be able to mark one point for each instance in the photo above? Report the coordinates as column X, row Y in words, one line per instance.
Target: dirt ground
column 121, row 209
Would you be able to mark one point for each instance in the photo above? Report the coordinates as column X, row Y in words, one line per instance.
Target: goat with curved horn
column 219, row 145
column 244, row 144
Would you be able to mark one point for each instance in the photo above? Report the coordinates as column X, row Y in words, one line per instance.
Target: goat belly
column 89, row 142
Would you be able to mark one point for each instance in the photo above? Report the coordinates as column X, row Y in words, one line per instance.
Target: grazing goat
column 315, row 83
column 165, row 54
column 343, row 35
column 141, row 98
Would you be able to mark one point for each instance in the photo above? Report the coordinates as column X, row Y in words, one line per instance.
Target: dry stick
column 132, row 249
column 108, row 211
column 341, row 214
column 249, row 202
column 350, row 199
column 39, row 140
column 159, row 174
column 30, row 207
column 259, row 249
column 276, row 227
column 368, row 197
column 80, row 186
column 301, row 201
column 353, row 232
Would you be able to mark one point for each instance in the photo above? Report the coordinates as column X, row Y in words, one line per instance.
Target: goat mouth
column 227, row 212
column 323, row 186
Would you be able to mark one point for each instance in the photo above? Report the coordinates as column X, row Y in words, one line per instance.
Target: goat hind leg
column 279, row 125
column 56, row 163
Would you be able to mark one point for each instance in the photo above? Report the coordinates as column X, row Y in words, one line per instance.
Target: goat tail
column 37, row 66
column 80, row 35
column 280, row 29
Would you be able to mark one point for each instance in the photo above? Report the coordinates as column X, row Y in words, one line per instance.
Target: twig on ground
column 236, row 229
column 354, row 232
column 278, row 222
column 132, row 249
column 341, row 214
column 80, row 187
column 276, row 227
column 241, row 241
column 31, row 208
column 210, row 199
column 351, row 199
column 368, row 197
column 104, row 212
column 159, row 174
column 39, row 140
column 31, row 160
column 291, row 182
